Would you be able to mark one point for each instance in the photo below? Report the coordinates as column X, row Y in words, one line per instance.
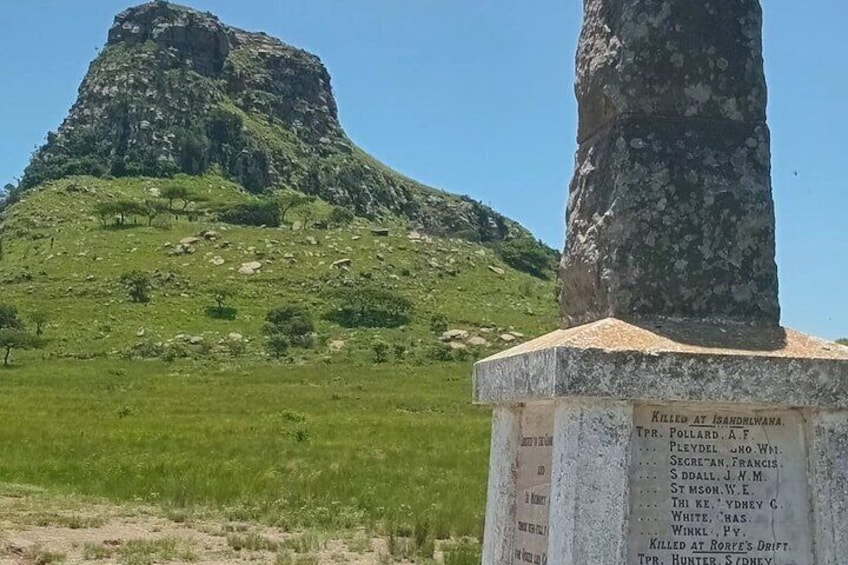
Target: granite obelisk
column 671, row 213
column 671, row 421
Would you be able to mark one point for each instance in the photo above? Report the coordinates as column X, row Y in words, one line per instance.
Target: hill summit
column 177, row 91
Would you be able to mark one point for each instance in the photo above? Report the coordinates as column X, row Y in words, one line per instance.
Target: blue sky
column 476, row 97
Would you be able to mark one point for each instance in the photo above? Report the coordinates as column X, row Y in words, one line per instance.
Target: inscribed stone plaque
column 533, row 482
column 718, row 487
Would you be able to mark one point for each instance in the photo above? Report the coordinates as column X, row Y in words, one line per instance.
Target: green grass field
column 324, row 440
column 391, row 448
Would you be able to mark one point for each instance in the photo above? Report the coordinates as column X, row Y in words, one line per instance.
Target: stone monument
column 672, row 421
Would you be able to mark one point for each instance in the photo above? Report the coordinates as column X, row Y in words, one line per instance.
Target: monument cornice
column 670, row 361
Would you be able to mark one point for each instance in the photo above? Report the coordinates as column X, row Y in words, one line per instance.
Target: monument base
column 667, row 443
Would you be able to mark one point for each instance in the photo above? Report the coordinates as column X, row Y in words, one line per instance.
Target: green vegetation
column 138, row 285
column 842, row 341
column 13, row 334
column 59, row 260
column 263, row 117
column 292, row 322
column 221, row 311
column 369, row 306
column 263, row 213
column 334, row 447
column 529, row 256
column 148, row 552
column 11, row 339
column 329, row 439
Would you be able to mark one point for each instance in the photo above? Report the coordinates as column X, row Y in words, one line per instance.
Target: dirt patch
column 36, row 529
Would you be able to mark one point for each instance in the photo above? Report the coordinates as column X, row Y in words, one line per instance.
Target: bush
column 370, row 307
column 529, row 256
column 438, row 324
column 340, row 216
column 381, row 350
column 9, row 317
column 293, row 322
column 278, row 345
column 138, row 285
column 264, row 213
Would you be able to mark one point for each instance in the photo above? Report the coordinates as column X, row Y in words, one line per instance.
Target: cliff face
column 177, row 91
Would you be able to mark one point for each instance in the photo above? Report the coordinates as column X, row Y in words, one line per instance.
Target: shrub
column 438, row 324
column 278, row 345
column 138, row 285
column 370, row 307
column 293, row 322
column 263, row 213
column 9, row 317
column 528, row 256
column 340, row 216
column 380, row 349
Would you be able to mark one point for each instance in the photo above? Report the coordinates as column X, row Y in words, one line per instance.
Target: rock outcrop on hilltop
column 177, row 91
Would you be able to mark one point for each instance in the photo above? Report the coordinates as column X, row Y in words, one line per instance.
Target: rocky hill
column 65, row 261
column 177, row 91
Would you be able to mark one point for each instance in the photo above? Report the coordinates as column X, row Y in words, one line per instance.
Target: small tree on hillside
column 221, row 311
column 278, row 345
column 11, row 338
column 40, row 320
column 138, row 285
column 152, row 208
column 289, row 200
column 118, row 210
column 173, row 193
column 370, row 307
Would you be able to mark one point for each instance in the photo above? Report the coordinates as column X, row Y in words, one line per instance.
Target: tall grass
column 316, row 446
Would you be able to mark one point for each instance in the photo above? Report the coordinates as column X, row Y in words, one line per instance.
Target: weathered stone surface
column 829, row 474
column 669, row 362
column 199, row 39
column 707, row 481
column 672, row 218
column 176, row 90
column 670, row 58
column 670, row 211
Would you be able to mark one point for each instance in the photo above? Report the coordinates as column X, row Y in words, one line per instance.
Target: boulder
column 250, row 268
column 455, row 334
column 346, row 262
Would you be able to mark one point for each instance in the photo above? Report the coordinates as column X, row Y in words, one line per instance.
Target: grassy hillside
column 61, row 260
column 324, row 438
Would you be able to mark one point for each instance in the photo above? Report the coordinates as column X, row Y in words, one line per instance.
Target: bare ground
column 39, row 529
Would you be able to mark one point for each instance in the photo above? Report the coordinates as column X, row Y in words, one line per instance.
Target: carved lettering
column 718, row 488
